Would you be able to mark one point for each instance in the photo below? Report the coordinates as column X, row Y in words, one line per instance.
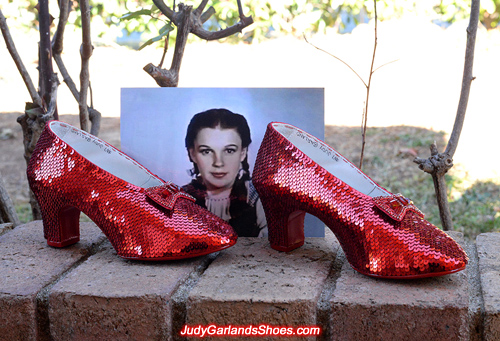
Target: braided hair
column 219, row 118
column 243, row 216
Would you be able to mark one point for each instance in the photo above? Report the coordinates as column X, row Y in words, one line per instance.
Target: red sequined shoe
column 143, row 217
column 382, row 234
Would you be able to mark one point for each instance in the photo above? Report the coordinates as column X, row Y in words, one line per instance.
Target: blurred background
column 413, row 99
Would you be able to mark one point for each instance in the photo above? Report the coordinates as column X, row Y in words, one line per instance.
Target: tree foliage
column 272, row 17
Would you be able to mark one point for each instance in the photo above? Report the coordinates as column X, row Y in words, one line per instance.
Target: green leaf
column 133, row 15
column 30, row 105
column 165, row 29
column 154, row 9
column 34, row 112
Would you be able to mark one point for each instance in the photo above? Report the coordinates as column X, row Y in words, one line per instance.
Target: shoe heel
column 285, row 224
column 61, row 223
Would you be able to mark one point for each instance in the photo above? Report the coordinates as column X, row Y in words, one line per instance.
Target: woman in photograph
column 217, row 143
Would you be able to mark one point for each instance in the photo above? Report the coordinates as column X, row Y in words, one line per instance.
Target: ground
column 412, row 101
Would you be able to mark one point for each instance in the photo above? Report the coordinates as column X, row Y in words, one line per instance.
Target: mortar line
column 324, row 305
column 179, row 297
column 476, row 299
column 42, row 297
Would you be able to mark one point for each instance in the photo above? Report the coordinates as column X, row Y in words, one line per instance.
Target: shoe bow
column 166, row 195
column 396, row 206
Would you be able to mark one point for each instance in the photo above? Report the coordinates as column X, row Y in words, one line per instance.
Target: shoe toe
column 414, row 248
column 440, row 255
column 208, row 232
column 211, row 234
column 184, row 232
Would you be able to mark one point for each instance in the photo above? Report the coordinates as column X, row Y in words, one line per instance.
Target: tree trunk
column 7, row 210
column 439, row 163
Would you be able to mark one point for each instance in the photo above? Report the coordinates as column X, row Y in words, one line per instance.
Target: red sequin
column 383, row 236
column 166, row 195
column 159, row 223
column 396, row 206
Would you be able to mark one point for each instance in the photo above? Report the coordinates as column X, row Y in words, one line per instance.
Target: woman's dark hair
column 243, row 216
column 226, row 120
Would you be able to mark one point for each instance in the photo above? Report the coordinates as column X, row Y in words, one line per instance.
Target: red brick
column 252, row 284
column 488, row 252
column 28, row 265
column 365, row 308
column 109, row 298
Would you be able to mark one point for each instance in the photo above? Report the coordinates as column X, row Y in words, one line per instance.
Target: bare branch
column 57, row 41
column 434, row 149
column 439, row 163
column 66, row 77
column 197, row 12
column 86, row 48
column 442, row 200
column 165, row 47
column 7, row 208
column 57, row 47
column 466, row 80
column 165, row 10
column 381, row 66
column 182, row 35
column 45, row 56
column 331, row 55
column 164, row 78
column 188, row 21
column 200, row 32
column 51, row 109
column 424, row 164
column 170, row 78
column 208, row 13
column 35, row 97
column 91, row 95
column 86, row 53
column 95, row 118
column 36, row 114
column 240, row 9
column 32, row 129
column 365, row 118
column 165, row 50
column 94, row 115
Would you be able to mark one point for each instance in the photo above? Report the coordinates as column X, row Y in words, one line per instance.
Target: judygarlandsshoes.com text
column 260, row 330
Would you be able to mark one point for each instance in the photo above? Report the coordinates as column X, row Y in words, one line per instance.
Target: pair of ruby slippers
column 146, row 218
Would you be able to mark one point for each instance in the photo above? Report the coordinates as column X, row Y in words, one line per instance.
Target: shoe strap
column 167, row 194
column 396, row 206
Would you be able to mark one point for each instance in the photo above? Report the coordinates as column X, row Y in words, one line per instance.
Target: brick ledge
column 86, row 292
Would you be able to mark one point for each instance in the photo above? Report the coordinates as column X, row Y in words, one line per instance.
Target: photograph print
column 205, row 140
